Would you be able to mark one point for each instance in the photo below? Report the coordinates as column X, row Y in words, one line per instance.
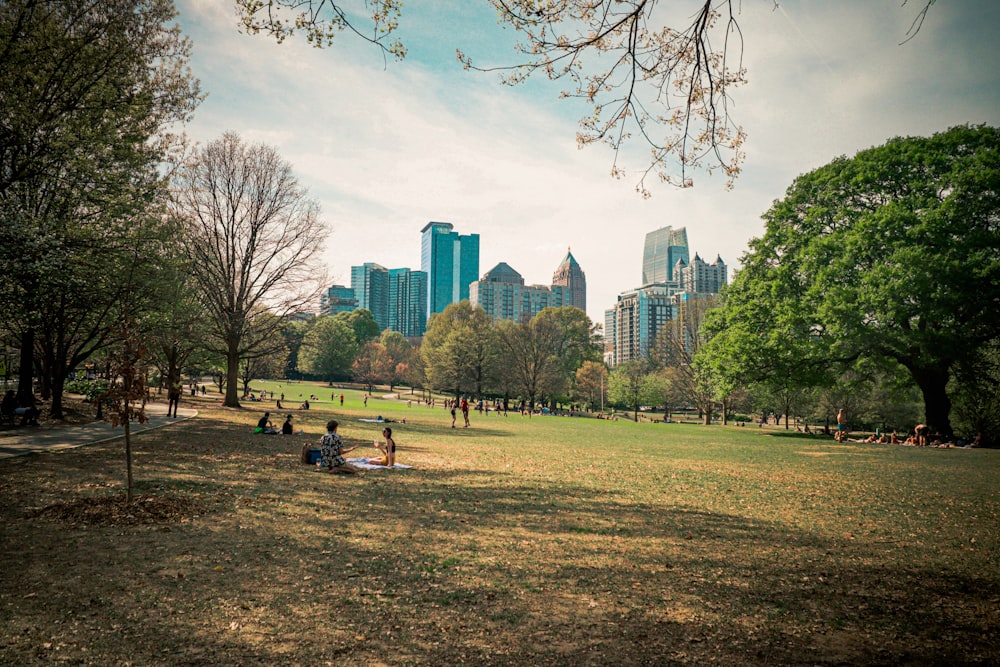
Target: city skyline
column 384, row 146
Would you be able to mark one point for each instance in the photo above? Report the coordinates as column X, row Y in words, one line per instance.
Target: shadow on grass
column 474, row 566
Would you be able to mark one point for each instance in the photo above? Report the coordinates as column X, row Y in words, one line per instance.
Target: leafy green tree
column 976, row 387
column 629, row 385
column 570, row 337
column 892, row 255
column 252, row 237
column 87, row 94
column 459, row 350
column 362, row 323
column 328, row 349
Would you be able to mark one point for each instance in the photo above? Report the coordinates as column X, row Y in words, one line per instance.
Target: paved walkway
column 31, row 439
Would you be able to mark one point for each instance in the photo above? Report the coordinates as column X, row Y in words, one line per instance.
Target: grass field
column 538, row 541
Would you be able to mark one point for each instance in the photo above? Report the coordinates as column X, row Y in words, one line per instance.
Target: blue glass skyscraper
column 451, row 262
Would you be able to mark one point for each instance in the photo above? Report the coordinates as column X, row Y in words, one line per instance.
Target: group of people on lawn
column 332, row 447
column 922, row 436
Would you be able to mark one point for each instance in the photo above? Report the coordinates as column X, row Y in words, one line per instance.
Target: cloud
column 387, row 148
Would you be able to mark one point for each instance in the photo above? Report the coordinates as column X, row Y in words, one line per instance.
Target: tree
column 628, row 385
column 675, row 348
column 397, row 350
column 571, row 338
column 891, row 256
column 591, row 380
column 362, row 323
column 666, row 86
column 458, row 349
column 127, row 387
column 88, row 92
column 252, row 237
column 328, row 349
column 372, row 365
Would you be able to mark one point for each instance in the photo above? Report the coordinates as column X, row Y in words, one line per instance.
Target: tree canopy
column 892, row 256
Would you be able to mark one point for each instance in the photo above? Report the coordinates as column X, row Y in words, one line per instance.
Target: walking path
column 32, row 439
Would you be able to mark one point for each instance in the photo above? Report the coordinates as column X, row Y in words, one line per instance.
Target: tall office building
column 397, row 298
column 370, row 283
column 337, row 299
column 451, row 262
column 569, row 275
column 663, row 249
column 408, row 302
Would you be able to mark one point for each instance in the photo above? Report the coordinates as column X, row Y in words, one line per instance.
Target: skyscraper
column 451, row 262
column 569, row 275
column 408, row 302
column 397, row 298
column 370, row 283
column 663, row 248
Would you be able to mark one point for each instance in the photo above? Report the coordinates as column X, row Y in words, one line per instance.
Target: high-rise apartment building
column 638, row 317
column 701, row 277
column 663, row 249
column 670, row 284
column 451, row 262
column 503, row 295
column 569, row 275
column 337, row 299
column 397, row 298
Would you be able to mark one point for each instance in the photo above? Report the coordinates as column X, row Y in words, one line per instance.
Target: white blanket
column 364, row 465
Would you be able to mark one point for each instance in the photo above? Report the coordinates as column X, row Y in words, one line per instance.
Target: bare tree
column 675, row 348
column 665, row 86
column 252, row 237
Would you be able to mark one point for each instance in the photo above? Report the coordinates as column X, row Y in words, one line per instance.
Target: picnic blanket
column 364, row 465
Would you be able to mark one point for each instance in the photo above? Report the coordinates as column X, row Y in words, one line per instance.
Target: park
column 521, row 540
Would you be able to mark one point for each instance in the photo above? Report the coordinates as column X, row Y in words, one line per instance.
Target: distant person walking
column 465, row 411
column 173, row 398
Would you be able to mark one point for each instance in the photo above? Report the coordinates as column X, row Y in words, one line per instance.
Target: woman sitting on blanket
column 388, row 458
column 332, row 450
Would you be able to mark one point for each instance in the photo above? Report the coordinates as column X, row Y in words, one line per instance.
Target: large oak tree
column 892, row 256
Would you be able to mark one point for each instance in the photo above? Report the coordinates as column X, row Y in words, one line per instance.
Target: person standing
column 173, row 398
column 465, row 411
column 841, row 425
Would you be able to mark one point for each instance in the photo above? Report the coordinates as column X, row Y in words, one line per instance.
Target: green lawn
column 542, row 540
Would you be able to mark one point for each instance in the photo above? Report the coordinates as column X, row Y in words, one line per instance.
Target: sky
column 387, row 146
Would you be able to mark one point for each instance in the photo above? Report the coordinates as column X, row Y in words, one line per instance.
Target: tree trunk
column 232, row 377
column 128, row 463
column 25, row 372
column 937, row 406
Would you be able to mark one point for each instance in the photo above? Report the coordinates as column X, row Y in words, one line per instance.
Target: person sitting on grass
column 287, row 428
column 265, row 426
column 388, row 458
column 332, row 451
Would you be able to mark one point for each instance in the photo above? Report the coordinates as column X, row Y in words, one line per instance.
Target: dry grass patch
column 544, row 541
